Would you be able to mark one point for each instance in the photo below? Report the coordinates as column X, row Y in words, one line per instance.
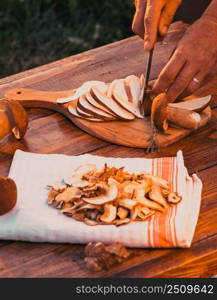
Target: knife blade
column 147, row 75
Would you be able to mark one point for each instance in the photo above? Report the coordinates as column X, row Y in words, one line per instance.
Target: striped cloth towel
column 33, row 220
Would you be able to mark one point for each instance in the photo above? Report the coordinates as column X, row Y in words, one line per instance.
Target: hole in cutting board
column 19, row 92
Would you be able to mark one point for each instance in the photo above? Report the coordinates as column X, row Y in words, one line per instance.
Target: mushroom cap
column 159, row 112
column 17, row 117
column 110, row 195
column 8, row 195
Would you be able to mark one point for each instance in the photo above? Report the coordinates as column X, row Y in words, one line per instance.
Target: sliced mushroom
column 156, row 195
column 120, row 96
column 128, row 188
column 145, row 210
column 174, row 198
column 135, row 90
column 127, row 203
column 143, row 188
column 74, row 112
column 163, row 183
column 94, row 111
column 110, row 195
column 142, row 83
column 87, row 206
column 133, row 213
column 141, row 215
column 122, row 212
column 76, row 179
column 51, row 196
column 69, row 194
column 111, row 104
column 57, row 186
column 144, row 213
column 109, row 214
column 90, row 222
column 150, row 204
column 93, row 102
column 85, row 169
column 83, row 89
column 133, row 82
column 196, row 104
column 83, row 113
column 122, row 222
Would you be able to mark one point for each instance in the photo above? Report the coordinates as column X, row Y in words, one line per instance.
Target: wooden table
column 51, row 133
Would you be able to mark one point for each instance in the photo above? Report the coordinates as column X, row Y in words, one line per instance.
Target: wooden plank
column 104, row 63
column 202, row 155
column 67, row 260
column 51, row 134
column 202, row 262
column 138, row 133
column 43, row 260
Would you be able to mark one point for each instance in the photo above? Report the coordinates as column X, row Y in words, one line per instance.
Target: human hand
column 152, row 19
column 193, row 60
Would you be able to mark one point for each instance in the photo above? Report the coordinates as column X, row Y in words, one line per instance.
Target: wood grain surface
column 52, row 133
column 138, row 133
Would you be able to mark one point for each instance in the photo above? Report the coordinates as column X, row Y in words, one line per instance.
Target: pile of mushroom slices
column 111, row 195
column 99, row 101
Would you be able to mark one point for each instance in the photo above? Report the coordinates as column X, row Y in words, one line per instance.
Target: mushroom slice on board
column 142, row 83
column 119, row 94
column 110, row 195
column 83, row 113
column 83, row 89
column 193, row 103
column 111, row 104
column 93, row 102
column 75, row 113
column 90, row 109
column 134, row 88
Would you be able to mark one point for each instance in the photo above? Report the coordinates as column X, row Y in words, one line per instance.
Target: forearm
column 211, row 10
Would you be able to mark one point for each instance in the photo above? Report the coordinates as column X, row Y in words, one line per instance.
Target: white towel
column 33, row 220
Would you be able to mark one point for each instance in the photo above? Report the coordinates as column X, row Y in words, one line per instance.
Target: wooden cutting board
column 136, row 133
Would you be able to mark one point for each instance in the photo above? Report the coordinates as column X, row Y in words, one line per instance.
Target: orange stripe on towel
column 163, row 235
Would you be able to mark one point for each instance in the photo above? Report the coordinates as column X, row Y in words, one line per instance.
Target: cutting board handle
column 23, row 95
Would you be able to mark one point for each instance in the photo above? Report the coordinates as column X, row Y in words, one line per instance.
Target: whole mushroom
column 8, row 195
column 13, row 119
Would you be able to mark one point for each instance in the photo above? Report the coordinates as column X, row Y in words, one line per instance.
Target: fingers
column 182, row 81
column 151, row 21
column 167, row 16
column 138, row 20
column 168, row 74
column 196, row 83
